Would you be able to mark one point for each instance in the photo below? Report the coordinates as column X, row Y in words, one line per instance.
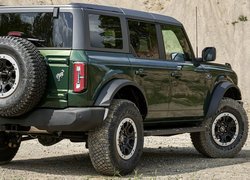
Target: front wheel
column 226, row 132
column 116, row 147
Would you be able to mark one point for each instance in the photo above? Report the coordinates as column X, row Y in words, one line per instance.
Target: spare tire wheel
column 23, row 76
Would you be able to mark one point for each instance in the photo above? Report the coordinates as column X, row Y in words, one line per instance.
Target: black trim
column 216, row 97
column 78, row 29
column 109, row 91
column 173, row 131
column 56, row 12
column 161, row 46
column 70, row 119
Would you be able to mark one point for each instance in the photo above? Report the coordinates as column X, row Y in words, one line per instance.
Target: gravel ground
column 163, row 158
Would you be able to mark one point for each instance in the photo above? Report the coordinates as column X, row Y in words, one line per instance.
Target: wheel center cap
column 222, row 129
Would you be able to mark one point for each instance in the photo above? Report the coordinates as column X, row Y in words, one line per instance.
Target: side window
column 176, row 44
column 105, row 31
column 143, row 39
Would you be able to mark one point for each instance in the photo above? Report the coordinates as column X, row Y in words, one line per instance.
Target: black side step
column 173, row 131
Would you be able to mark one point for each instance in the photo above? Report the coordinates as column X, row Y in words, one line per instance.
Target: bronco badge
column 60, row 75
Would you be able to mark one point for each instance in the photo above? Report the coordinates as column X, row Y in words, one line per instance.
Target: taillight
column 80, row 80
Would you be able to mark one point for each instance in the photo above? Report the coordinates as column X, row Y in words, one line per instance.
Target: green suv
column 108, row 77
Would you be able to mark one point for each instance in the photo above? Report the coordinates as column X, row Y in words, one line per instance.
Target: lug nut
column 10, row 144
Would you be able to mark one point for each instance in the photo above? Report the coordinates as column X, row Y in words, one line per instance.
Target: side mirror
column 209, row 54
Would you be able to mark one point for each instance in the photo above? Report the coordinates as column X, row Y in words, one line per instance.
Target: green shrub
column 243, row 18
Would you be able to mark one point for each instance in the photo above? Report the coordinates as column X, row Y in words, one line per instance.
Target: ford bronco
column 109, row 77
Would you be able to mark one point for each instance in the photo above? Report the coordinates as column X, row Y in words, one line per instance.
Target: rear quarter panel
column 104, row 67
column 57, row 79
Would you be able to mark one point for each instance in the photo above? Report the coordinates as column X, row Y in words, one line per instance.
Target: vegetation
column 235, row 22
column 243, row 18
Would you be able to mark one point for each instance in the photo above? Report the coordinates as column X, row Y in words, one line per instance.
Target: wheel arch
column 223, row 89
column 123, row 89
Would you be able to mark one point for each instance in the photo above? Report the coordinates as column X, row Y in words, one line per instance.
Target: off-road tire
column 102, row 141
column 32, row 76
column 7, row 153
column 204, row 141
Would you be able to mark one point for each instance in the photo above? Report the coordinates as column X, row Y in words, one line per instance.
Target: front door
column 188, row 91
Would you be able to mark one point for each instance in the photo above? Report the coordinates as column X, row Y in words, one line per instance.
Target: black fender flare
column 217, row 95
column 111, row 88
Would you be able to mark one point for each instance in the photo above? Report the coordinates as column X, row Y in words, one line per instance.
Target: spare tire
column 23, row 76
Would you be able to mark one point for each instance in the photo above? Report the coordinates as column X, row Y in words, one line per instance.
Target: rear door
column 188, row 82
column 152, row 72
column 106, row 49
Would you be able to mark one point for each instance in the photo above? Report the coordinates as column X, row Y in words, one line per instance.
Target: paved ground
column 163, row 158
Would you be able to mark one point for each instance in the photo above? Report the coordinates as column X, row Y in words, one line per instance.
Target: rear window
column 105, row 32
column 40, row 28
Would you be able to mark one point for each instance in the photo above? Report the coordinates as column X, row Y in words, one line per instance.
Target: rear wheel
column 9, row 145
column 116, row 147
column 226, row 132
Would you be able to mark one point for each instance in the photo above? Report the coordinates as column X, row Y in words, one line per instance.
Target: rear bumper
column 69, row 119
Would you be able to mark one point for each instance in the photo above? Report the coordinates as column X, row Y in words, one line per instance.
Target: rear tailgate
column 58, row 78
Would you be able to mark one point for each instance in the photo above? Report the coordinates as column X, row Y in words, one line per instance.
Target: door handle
column 176, row 74
column 140, row 72
column 179, row 68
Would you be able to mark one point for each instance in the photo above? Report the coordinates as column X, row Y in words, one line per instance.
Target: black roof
column 127, row 12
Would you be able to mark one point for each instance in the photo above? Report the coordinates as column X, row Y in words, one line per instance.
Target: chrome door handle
column 140, row 72
column 179, row 68
column 176, row 74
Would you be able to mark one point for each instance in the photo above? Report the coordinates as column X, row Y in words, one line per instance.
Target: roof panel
column 137, row 14
column 96, row 7
column 127, row 12
column 168, row 19
column 130, row 13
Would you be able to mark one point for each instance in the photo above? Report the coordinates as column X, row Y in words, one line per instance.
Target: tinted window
column 176, row 44
column 143, row 39
column 105, row 32
column 41, row 28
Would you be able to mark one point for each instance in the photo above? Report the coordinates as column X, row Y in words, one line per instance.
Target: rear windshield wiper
column 36, row 41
